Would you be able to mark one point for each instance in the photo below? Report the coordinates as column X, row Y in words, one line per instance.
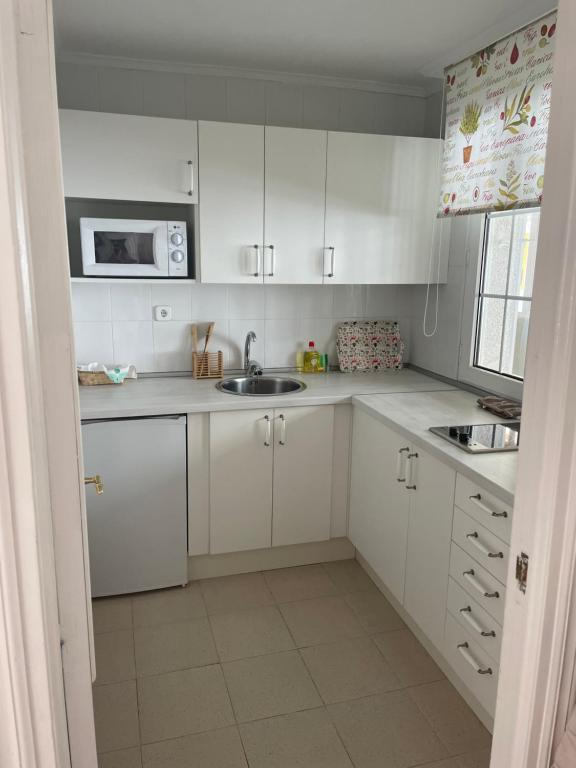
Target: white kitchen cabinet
column 295, row 182
column 303, row 447
column 129, row 157
column 241, row 457
column 381, row 203
column 379, row 501
column 231, row 202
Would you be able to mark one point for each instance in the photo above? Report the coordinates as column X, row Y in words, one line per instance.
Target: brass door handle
column 97, row 481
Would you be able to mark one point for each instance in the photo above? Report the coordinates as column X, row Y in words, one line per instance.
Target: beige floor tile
column 234, row 593
column 180, row 703
column 124, row 758
column 474, row 760
column 408, row 658
column 114, row 657
column 456, row 725
column 348, row 576
column 349, row 669
column 151, row 609
column 386, row 731
column 252, row 632
column 270, row 685
column 300, row 583
column 174, row 646
column 112, row 613
column 321, row 620
column 215, row 749
column 116, row 716
column 374, row 612
column 300, row 740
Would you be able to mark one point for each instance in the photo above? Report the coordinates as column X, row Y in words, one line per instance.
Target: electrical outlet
column 162, row 312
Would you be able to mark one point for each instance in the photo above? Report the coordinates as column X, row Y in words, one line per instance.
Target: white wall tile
column 321, row 332
column 121, row 90
column 281, row 343
column 93, row 343
column 284, row 105
column 77, row 86
column 163, row 94
column 205, row 97
column 91, row 302
column 280, row 301
column 179, row 297
column 134, row 344
column 386, row 301
column 245, row 100
column 209, row 301
column 349, row 301
column 314, row 300
column 131, row 302
column 237, row 331
column 321, row 108
column 245, row 301
column 172, row 346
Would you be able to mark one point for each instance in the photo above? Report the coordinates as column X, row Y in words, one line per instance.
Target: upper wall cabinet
column 381, row 201
column 128, row 157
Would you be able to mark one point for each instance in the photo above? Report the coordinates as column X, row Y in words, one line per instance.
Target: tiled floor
column 304, row 667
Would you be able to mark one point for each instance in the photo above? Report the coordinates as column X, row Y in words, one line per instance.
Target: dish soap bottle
column 312, row 359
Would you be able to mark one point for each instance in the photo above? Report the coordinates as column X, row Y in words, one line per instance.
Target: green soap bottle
column 312, row 359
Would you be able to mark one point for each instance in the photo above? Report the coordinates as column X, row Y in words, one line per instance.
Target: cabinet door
column 295, row 186
column 303, row 449
column 231, row 202
column 379, row 502
column 428, row 559
column 381, row 202
column 128, row 157
column 241, row 455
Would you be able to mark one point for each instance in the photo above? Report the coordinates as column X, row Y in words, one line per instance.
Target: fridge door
column 137, row 529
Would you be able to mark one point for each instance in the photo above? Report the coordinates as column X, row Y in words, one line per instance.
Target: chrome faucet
column 251, row 367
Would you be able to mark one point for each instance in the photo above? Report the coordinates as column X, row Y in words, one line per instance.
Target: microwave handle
column 190, row 164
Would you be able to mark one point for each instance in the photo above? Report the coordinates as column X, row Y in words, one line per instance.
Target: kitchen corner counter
column 412, row 414
column 178, row 394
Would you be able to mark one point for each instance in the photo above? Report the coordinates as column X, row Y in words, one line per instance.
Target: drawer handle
column 282, row 440
column 470, row 576
column 401, row 465
column 463, row 648
column 474, row 623
column 477, row 499
column 475, row 540
column 268, row 431
column 411, row 486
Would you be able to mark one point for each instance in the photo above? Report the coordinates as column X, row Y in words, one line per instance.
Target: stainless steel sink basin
column 260, row 386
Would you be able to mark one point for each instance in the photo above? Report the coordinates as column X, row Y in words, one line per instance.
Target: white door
column 303, row 448
column 381, row 200
column 295, row 185
column 129, row 157
column 429, row 534
column 379, row 501
column 241, row 455
column 231, row 202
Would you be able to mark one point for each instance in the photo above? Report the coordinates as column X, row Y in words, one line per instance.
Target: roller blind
column 497, row 104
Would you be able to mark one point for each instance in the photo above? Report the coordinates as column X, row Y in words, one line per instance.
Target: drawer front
column 477, row 582
column 481, row 544
column 475, row 620
column 484, row 507
column 472, row 664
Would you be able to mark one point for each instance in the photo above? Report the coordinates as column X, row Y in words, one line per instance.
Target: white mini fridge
column 137, row 529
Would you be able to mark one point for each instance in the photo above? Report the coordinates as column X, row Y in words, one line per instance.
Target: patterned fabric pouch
column 369, row 345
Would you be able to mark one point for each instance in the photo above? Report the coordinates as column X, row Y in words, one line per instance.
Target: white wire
column 430, row 334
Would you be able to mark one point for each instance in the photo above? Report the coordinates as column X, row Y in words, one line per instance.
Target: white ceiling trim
column 120, row 62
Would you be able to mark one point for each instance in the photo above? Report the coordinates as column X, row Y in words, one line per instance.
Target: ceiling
column 386, row 41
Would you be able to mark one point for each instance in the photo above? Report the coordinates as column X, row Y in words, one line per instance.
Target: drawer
column 472, row 664
column 477, row 582
column 484, row 507
column 486, row 548
column 472, row 617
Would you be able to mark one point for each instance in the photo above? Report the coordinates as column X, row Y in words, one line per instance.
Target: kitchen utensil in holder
column 207, row 365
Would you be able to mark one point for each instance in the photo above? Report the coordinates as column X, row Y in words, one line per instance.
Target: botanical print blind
column 497, row 106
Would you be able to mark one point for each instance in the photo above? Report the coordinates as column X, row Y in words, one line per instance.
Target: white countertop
column 413, row 413
column 172, row 394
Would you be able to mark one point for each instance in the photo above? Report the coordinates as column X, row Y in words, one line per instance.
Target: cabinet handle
column 400, row 465
column 272, row 260
column 463, row 648
column 410, row 485
column 268, row 431
column 331, row 249
column 283, row 422
column 191, row 167
column 470, row 576
column 474, row 539
column 257, row 253
column 477, row 499
column 475, row 624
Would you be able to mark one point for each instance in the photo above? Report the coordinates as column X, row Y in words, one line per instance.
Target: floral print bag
column 369, row 345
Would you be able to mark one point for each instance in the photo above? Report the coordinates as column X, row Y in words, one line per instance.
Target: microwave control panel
column 177, row 249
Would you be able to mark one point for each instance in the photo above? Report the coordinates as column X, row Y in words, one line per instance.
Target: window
column 505, row 292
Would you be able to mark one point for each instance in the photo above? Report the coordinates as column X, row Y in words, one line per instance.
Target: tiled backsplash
column 115, row 323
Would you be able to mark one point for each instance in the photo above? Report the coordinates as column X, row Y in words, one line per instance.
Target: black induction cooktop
column 482, row 438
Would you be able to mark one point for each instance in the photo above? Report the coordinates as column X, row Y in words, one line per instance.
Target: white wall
column 115, row 323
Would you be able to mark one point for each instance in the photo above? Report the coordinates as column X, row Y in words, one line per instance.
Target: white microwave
column 133, row 248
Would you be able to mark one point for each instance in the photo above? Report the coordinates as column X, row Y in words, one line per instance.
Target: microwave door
column 117, row 248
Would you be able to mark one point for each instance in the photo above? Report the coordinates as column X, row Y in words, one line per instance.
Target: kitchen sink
column 260, row 386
